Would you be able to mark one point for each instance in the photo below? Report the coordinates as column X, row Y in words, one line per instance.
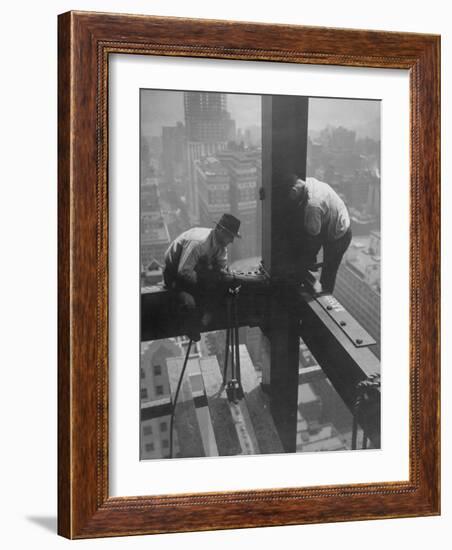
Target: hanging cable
column 233, row 386
column 226, row 355
column 179, row 383
column 235, row 321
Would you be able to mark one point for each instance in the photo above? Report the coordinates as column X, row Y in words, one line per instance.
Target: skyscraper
column 208, row 128
column 206, row 117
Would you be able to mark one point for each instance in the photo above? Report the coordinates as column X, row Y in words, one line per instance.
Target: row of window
column 159, row 390
column 149, row 447
column 248, row 194
column 247, row 184
column 219, row 187
column 218, row 197
column 147, row 430
column 222, row 197
column 157, row 371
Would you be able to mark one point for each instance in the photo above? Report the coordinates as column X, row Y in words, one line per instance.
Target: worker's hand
column 226, row 276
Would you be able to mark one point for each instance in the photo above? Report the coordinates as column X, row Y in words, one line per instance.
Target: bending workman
column 322, row 220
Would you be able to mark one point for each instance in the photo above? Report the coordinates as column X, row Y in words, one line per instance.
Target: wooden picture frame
column 85, row 42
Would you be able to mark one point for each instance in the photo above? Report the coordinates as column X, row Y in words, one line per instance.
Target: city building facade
column 174, row 152
column 154, row 389
column 214, row 189
column 358, row 284
column 155, row 237
column 242, row 170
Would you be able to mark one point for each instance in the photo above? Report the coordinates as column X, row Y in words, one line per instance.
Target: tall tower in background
column 208, row 128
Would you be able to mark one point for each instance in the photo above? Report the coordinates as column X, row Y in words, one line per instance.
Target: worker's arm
column 217, row 271
column 312, row 235
column 188, row 262
column 221, row 260
column 313, row 220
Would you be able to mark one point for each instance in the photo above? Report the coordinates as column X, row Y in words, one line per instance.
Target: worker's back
column 325, row 207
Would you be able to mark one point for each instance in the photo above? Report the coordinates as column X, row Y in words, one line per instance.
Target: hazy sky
column 358, row 114
column 166, row 108
column 163, row 108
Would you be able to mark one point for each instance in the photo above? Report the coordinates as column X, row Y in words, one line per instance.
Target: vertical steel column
column 284, row 149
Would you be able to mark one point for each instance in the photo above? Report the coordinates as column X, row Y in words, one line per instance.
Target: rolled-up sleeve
column 188, row 261
column 313, row 220
column 222, row 259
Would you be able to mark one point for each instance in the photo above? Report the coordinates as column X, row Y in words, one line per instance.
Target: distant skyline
column 166, row 108
column 360, row 115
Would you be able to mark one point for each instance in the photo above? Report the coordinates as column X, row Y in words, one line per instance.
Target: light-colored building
column 358, row 284
column 155, row 237
column 154, row 382
column 155, row 434
column 214, row 189
column 243, row 174
column 155, row 390
column 227, row 182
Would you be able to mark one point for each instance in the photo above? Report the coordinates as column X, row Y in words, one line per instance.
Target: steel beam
column 345, row 363
column 284, row 148
column 160, row 319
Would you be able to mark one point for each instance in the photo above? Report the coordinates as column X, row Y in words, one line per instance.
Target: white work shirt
column 192, row 245
column 325, row 211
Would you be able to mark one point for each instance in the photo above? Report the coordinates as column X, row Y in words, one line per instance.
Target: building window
column 159, row 390
column 147, row 430
column 157, row 369
column 163, row 426
column 165, row 443
column 142, row 373
column 149, row 447
column 144, row 393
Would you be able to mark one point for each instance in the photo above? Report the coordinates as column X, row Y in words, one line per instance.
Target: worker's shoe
column 317, row 287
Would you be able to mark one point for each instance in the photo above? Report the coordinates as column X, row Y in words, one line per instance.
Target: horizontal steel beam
column 345, row 363
column 160, row 319
column 155, row 409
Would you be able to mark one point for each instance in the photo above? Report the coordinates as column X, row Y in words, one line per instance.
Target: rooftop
column 211, row 166
column 363, row 257
column 155, row 231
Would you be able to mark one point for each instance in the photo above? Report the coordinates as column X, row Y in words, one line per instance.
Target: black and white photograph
column 225, row 228
column 260, row 274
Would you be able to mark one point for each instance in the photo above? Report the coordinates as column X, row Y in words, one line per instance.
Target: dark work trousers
column 184, row 304
column 189, row 302
column 188, row 313
column 333, row 252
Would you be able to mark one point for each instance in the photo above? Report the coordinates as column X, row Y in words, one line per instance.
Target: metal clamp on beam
column 351, row 328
